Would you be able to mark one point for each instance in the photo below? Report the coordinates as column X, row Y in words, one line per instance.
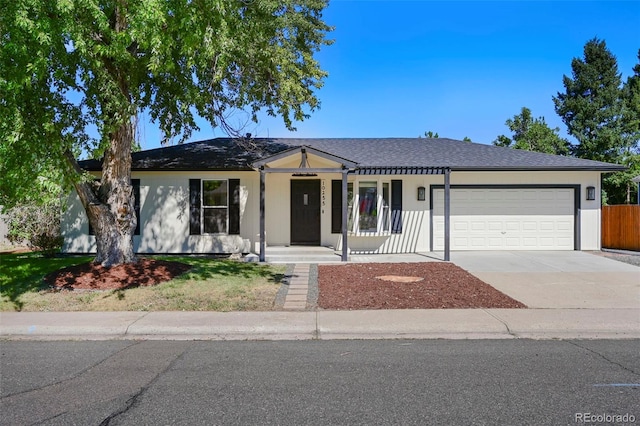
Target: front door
column 305, row 212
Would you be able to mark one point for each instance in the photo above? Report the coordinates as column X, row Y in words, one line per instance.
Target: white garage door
column 506, row 219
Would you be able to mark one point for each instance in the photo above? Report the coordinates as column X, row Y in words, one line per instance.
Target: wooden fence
column 621, row 227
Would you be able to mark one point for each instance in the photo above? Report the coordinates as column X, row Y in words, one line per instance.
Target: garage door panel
column 512, row 225
column 494, row 225
column 460, row 226
column 565, row 242
column 461, row 242
column 564, row 225
column 547, row 225
column 506, row 219
column 479, row 226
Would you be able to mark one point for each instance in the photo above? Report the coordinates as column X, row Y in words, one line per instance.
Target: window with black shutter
column 396, row 206
column 234, row 206
column 336, row 206
column 195, row 204
column 214, row 206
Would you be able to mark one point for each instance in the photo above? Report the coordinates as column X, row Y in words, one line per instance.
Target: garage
column 506, row 218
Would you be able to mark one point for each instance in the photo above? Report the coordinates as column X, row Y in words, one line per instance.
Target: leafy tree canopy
column 69, row 66
column 430, row 135
column 533, row 134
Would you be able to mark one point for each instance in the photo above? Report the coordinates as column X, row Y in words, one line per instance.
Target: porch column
column 344, row 214
column 262, row 226
column 447, row 213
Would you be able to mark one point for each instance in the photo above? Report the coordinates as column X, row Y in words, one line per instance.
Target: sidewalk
column 325, row 325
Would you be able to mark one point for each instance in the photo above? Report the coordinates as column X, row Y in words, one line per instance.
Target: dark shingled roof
column 226, row 154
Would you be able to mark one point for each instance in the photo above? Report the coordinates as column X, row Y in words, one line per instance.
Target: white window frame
column 354, row 215
column 203, row 207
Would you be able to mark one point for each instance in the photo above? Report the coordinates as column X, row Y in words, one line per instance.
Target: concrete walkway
column 298, row 291
column 572, row 295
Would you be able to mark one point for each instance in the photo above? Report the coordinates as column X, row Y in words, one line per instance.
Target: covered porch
column 305, row 197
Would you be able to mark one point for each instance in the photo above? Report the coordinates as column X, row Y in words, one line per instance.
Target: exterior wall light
column 422, row 193
column 591, row 193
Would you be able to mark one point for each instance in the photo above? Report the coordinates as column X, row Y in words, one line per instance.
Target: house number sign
column 323, row 192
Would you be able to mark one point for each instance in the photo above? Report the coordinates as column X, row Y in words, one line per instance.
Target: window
column 368, row 206
column 215, row 196
column 375, row 207
column 214, row 206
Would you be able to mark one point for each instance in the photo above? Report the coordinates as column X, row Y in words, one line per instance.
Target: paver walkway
column 298, row 291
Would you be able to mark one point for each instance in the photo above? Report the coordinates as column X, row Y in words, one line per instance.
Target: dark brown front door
column 305, row 212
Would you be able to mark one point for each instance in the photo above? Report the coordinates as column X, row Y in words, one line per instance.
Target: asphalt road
column 319, row 382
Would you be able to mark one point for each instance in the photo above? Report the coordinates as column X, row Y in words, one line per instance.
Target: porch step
column 301, row 255
column 302, row 259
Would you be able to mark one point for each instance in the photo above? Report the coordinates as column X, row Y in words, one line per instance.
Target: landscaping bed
column 427, row 285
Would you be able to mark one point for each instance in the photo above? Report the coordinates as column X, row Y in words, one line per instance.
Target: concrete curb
column 325, row 325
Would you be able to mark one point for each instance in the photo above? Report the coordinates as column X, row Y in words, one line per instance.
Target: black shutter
column 234, row 206
column 195, row 202
column 91, row 230
column 396, row 206
column 336, row 206
column 135, row 183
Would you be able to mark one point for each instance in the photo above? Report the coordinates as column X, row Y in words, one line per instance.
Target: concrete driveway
column 556, row 279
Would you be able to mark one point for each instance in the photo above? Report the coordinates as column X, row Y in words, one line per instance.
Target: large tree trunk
column 110, row 205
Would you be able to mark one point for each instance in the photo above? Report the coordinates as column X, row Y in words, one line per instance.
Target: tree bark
column 110, row 205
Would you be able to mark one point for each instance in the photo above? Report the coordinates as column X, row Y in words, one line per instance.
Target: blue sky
column 459, row 68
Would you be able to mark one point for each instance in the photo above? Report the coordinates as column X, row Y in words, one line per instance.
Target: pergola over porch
column 344, row 167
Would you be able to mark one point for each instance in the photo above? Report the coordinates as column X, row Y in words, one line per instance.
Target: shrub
column 36, row 225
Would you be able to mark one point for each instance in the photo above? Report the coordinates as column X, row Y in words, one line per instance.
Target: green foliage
column 430, row 135
column 591, row 105
column 36, row 225
column 82, row 62
column 631, row 112
column 624, row 190
column 466, row 139
column 70, row 66
column 34, row 219
column 533, row 134
column 603, row 115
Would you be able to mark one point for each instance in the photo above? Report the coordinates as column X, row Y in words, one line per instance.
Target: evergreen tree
column 601, row 115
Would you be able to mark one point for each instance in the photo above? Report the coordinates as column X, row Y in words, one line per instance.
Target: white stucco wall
column 165, row 211
column 164, row 217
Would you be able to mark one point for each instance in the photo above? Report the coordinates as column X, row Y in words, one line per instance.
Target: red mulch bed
column 91, row 276
column 443, row 285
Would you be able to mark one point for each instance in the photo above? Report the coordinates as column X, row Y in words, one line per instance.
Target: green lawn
column 211, row 285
